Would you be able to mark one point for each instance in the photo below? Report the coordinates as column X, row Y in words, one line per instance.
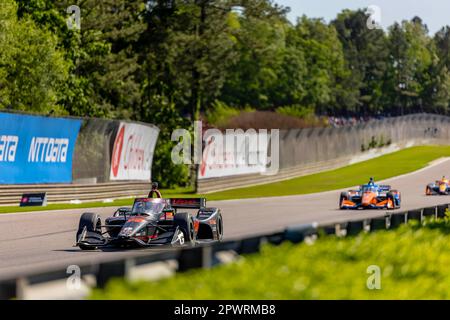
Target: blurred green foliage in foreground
column 413, row 261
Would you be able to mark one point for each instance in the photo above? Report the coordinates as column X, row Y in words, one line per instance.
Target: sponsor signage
column 188, row 203
column 133, row 152
column 34, row 200
column 234, row 154
column 35, row 149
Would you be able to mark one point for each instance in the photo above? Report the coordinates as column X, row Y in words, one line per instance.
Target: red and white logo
column 117, row 151
column 133, row 152
column 134, row 157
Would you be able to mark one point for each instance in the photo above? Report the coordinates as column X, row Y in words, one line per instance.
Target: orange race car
column 440, row 187
column 370, row 196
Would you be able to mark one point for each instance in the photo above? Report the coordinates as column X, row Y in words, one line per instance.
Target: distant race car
column 370, row 196
column 440, row 187
column 152, row 222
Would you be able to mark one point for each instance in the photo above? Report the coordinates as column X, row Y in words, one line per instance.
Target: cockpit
column 369, row 188
column 148, row 207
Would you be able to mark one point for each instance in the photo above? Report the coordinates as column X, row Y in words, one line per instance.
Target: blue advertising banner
column 35, row 149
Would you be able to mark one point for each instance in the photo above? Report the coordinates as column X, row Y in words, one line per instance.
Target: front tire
column 186, row 224
column 344, row 196
column 391, row 197
column 92, row 223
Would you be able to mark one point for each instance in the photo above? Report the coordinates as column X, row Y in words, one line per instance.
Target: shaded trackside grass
column 383, row 167
column 413, row 263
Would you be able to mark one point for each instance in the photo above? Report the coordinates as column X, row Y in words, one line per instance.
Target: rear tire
column 219, row 228
column 344, row 196
column 186, row 224
column 92, row 223
column 391, row 197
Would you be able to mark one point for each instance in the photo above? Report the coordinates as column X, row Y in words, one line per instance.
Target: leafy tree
column 436, row 94
column 366, row 56
column 290, row 88
column 104, row 69
column 188, row 47
column 110, row 32
column 164, row 171
column 442, row 43
column 261, row 47
column 438, row 91
column 325, row 64
column 410, row 60
column 32, row 68
column 166, row 61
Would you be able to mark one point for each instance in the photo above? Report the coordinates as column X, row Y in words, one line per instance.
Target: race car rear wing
column 188, row 203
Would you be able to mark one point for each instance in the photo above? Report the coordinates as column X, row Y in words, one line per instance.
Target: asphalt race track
column 42, row 240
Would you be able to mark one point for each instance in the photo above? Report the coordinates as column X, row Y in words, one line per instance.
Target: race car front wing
column 89, row 239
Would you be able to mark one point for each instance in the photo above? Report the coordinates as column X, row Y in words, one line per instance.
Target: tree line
column 133, row 58
column 168, row 61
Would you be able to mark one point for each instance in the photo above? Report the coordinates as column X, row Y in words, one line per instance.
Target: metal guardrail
column 58, row 193
column 207, row 256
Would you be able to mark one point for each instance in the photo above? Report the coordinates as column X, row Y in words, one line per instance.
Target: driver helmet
column 140, row 207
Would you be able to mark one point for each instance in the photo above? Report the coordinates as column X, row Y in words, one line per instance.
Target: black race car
column 152, row 222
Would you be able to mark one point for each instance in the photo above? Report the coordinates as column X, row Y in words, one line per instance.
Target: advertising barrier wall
column 133, row 150
column 234, row 154
column 93, row 151
column 36, row 149
column 299, row 147
column 311, row 150
column 47, row 150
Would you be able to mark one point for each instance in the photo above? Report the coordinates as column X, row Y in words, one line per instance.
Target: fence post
column 207, row 257
column 341, row 229
column 21, row 288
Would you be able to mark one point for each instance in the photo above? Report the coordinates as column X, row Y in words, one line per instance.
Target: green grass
column 413, row 262
column 383, row 167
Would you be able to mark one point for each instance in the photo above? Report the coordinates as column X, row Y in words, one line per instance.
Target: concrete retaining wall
column 306, row 151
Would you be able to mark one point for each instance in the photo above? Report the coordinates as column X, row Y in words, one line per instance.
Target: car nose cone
column 367, row 198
